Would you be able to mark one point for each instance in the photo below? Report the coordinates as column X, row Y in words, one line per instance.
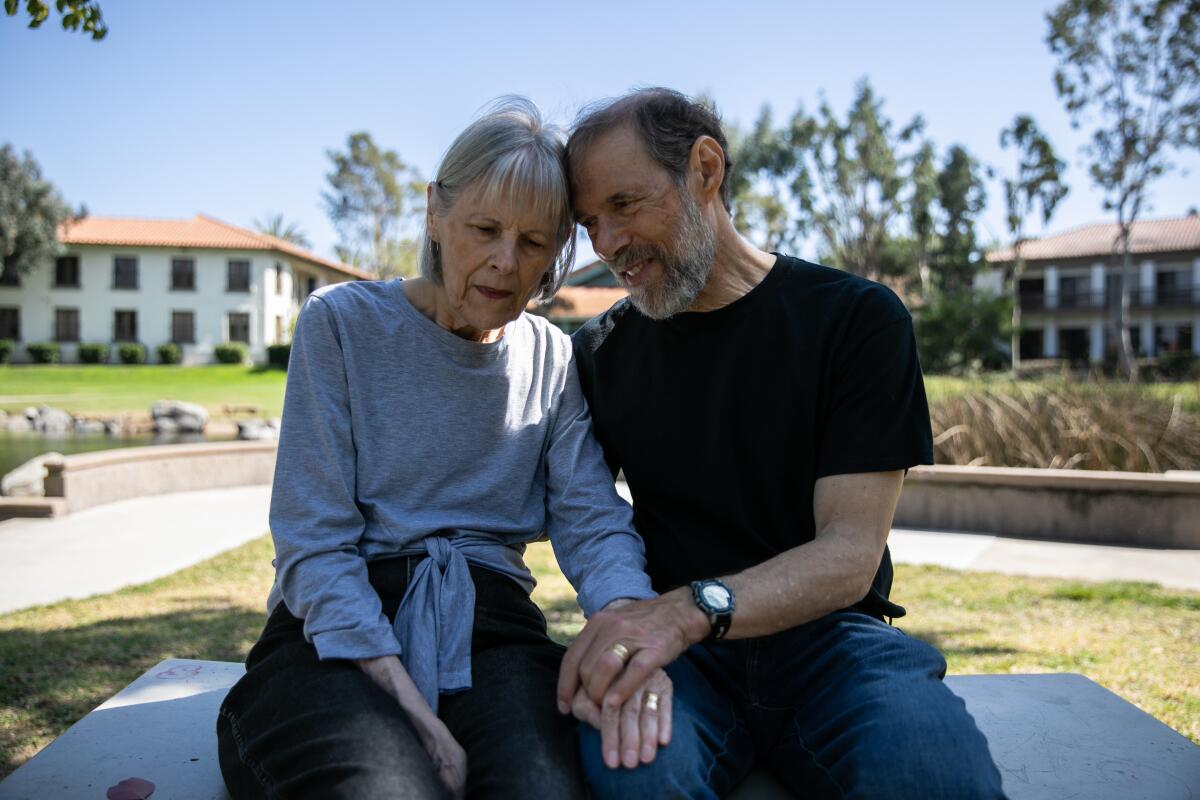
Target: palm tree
column 275, row 225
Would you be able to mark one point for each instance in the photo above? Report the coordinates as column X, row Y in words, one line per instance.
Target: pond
column 17, row 448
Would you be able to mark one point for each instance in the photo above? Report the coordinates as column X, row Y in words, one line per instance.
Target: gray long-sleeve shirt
column 400, row 437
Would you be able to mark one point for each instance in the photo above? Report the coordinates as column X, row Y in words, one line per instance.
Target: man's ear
column 707, row 162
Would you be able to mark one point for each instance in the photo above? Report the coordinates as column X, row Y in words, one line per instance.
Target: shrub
column 278, row 355
column 1107, row 426
column 132, row 353
column 965, row 332
column 6, row 350
column 1178, row 365
column 170, row 353
column 230, row 353
column 43, row 352
column 94, row 353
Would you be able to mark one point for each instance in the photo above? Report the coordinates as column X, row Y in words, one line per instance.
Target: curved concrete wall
column 89, row 479
column 1119, row 508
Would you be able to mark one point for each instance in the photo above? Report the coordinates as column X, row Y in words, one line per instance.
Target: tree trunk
column 1127, row 357
column 1018, row 268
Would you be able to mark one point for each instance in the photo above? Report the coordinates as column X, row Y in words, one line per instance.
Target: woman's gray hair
column 517, row 158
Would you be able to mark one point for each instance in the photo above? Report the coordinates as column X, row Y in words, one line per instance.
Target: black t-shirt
column 724, row 420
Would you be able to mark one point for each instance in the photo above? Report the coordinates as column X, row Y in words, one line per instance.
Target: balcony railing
column 1161, row 297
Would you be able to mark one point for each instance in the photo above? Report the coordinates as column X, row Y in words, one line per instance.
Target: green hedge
column 230, row 353
column 6, row 350
column 94, row 353
column 278, row 355
column 170, row 353
column 132, row 353
column 43, row 352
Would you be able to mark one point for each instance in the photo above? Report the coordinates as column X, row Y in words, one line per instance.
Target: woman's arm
column 590, row 526
column 315, row 519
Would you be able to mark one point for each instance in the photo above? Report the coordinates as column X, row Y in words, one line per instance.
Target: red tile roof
column 200, row 231
column 1148, row 236
column 582, row 302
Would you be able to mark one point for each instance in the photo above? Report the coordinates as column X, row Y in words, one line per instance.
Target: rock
column 27, row 480
column 53, row 421
column 89, row 426
column 17, row 423
column 172, row 416
column 257, row 430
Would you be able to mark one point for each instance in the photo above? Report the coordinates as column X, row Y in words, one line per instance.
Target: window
column 183, row 274
column 183, row 327
column 1071, row 292
column 1032, row 344
column 278, row 278
column 66, row 324
column 239, row 327
column 66, row 272
column 10, row 323
column 125, row 272
column 9, row 276
column 238, row 277
column 124, row 326
column 312, row 285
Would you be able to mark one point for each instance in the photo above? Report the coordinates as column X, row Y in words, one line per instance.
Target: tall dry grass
column 1066, row 426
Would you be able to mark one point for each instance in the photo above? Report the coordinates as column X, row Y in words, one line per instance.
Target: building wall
column 154, row 300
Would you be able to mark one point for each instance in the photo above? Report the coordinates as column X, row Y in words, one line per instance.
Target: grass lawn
column 58, row 662
column 942, row 387
column 106, row 388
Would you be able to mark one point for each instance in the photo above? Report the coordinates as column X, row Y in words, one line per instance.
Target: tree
column 1037, row 184
column 963, row 332
column 921, row 220
column 275, row 225
column 1135, row 67
column 848, row 179
column 77, row 15
column 30, row 213
column 375, row 201
column 962, row 196
column 759, row 198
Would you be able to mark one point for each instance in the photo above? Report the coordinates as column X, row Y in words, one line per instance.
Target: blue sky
column 227, row 107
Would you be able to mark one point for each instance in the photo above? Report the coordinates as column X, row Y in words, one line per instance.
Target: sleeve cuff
column 593, row 599
column 353, row 643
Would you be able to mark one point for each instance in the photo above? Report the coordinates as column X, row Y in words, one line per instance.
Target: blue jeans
column 845, row 706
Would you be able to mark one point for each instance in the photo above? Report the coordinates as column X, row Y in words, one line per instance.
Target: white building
column 197, row 283
column 1073, row 279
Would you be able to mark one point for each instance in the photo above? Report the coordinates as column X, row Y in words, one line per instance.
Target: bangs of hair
column 528, row 180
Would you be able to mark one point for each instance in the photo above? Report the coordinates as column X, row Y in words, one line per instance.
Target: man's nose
column 608, row 240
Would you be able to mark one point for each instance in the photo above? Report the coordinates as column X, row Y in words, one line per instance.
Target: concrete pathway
column 104, row 548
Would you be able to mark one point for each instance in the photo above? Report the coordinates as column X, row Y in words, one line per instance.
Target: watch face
column 716, row 596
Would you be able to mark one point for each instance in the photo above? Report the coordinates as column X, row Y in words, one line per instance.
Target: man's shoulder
column 596, row 331
column 839, row 294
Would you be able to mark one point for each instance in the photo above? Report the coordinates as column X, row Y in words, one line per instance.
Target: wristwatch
column 715, row 599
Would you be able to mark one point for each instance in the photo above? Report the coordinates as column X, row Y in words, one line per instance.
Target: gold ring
column 619, row 650
column 650, row 701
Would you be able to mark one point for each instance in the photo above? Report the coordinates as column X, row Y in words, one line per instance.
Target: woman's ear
column 429, row 200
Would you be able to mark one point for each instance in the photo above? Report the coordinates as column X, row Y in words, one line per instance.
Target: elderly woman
column 431, row 429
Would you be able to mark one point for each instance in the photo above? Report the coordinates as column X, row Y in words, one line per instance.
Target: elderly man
column 764, row 410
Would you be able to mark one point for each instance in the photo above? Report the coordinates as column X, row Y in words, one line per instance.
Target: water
column 17, row 448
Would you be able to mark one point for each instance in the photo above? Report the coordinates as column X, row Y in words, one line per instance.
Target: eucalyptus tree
column 1131, row 70
column 374, row 200
column 1037, row 184
column 961, row 196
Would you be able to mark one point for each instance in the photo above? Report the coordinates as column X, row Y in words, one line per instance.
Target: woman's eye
column 485, row 229
column 535, row 244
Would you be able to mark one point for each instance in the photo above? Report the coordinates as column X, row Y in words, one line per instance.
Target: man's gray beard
column 685, row 266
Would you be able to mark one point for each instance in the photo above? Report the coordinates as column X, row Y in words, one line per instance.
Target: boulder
column 258, row 430
column 173, row 416
column 89, row 426
column 53, row 421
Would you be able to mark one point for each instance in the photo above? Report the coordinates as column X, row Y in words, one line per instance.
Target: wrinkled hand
column 631, row 733
column 654, row 632
column 448, row 757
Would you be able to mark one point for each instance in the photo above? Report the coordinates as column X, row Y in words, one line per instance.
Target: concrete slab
column 1054, row 737
column 104, row 548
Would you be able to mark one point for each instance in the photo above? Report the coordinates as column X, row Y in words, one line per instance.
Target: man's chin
column 654, row 305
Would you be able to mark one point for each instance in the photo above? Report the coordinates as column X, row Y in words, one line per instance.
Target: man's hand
column 448, row 757
column 633, row 733
column 651, row 634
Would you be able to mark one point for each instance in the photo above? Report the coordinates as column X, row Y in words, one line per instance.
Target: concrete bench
column 1053, row 737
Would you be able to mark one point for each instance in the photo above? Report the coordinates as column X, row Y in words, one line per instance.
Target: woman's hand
column 631, row 733
column 447, row 755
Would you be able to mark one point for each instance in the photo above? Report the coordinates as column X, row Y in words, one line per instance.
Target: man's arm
column 853, row 515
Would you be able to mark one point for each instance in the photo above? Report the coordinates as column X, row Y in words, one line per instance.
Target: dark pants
column 298, row 727
column 843, row 707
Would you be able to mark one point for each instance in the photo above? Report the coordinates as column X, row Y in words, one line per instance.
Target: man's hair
column 667, row 122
